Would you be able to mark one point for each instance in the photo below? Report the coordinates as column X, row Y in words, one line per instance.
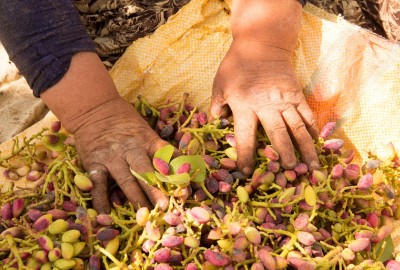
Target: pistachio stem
column 16, row 149
column 203, row 187
column 14, row 250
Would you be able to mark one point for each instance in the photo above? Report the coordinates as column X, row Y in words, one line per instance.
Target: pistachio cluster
column 338, row 217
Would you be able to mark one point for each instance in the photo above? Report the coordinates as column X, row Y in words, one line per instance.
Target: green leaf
column 176, row 179
column 148, row 177
column 196, row 163
column 161, row 177
column 165, row 153
column 179, row 179
column 387, row 253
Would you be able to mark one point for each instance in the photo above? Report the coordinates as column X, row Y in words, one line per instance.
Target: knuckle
column 298, row 128
column 277, row 130
column 140, row 164
column 313, row 123
column 126, row 181
column 243, row 133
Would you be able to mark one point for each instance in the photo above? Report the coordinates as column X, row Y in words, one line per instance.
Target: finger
column 303, row 139
column 245, row 135
column 99, row 176
column 218, row 107
column 278, row 134
column 308, row 118
column 142, row 165
column 157, row 144
column 119, row 170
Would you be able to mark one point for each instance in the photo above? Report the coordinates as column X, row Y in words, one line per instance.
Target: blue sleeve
column 41, row 37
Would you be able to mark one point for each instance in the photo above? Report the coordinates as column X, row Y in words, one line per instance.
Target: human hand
column 113, row 139
column 110, row 135
column 258, row 83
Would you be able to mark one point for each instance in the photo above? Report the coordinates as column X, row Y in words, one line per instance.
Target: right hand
column 260, row 85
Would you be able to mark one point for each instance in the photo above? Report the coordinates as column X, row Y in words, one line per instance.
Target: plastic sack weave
column 349, row 75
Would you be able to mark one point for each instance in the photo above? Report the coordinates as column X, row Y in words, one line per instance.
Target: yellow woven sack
column 349, row 75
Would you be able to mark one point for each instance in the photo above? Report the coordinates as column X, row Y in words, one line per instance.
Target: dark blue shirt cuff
column 41, row 37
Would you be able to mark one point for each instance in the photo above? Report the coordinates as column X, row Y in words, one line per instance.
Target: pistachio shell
column 45, row 243
column 200, row 214
column 142, row 216
column 113, row 245
column 359, row 244
column 64, row 264
column 242, row 194
column 253, row 235
column 310, row 196
column 231, row 153
column 67, row 250
column 305, row 238
column 161, row 166
column 271, row 153
column 83, row 182
column 78, row 248
column 54, row 254
column 217, row 258
column 71, row 236
column 59, row 226
column 327, row 130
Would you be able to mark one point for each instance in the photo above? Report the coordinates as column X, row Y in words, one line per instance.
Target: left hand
column 258, row 83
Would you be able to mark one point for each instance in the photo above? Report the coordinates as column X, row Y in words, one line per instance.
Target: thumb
column 218, row 108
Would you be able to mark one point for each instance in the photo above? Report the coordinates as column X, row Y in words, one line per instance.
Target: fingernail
column 247, row 170
column 215, row 112
column 314, row 165
column 163, row 203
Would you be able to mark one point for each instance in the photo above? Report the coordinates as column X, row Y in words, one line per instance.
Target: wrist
column 84, row 88
column 272, row 22
column 103, row 116
column 258, row 51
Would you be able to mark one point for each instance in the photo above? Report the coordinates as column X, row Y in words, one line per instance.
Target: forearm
column 274, row 23
column 85, row 92
column 41, row 37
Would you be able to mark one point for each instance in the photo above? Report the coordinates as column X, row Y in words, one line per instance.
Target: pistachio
column 200, row 214
column 71, row 236
column 327, row 130
column 333, row 144
column 162, row 255
column 310, row 196
column 67, row 251
column 83, row 182
column 191, row 242
column 113, row 245
column 54, row 254
column 271, row 153
column 64, row 264
column 161, row 166
column 6, row 211
column 104, row 219
column 171, row 241
column 359, row 244
column 242, row 194
column 217, row 258
column 184, row 168
column 106, row 234
column 253, row 235
column 142, row 216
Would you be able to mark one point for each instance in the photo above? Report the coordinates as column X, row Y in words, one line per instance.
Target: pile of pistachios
column 338, row 217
